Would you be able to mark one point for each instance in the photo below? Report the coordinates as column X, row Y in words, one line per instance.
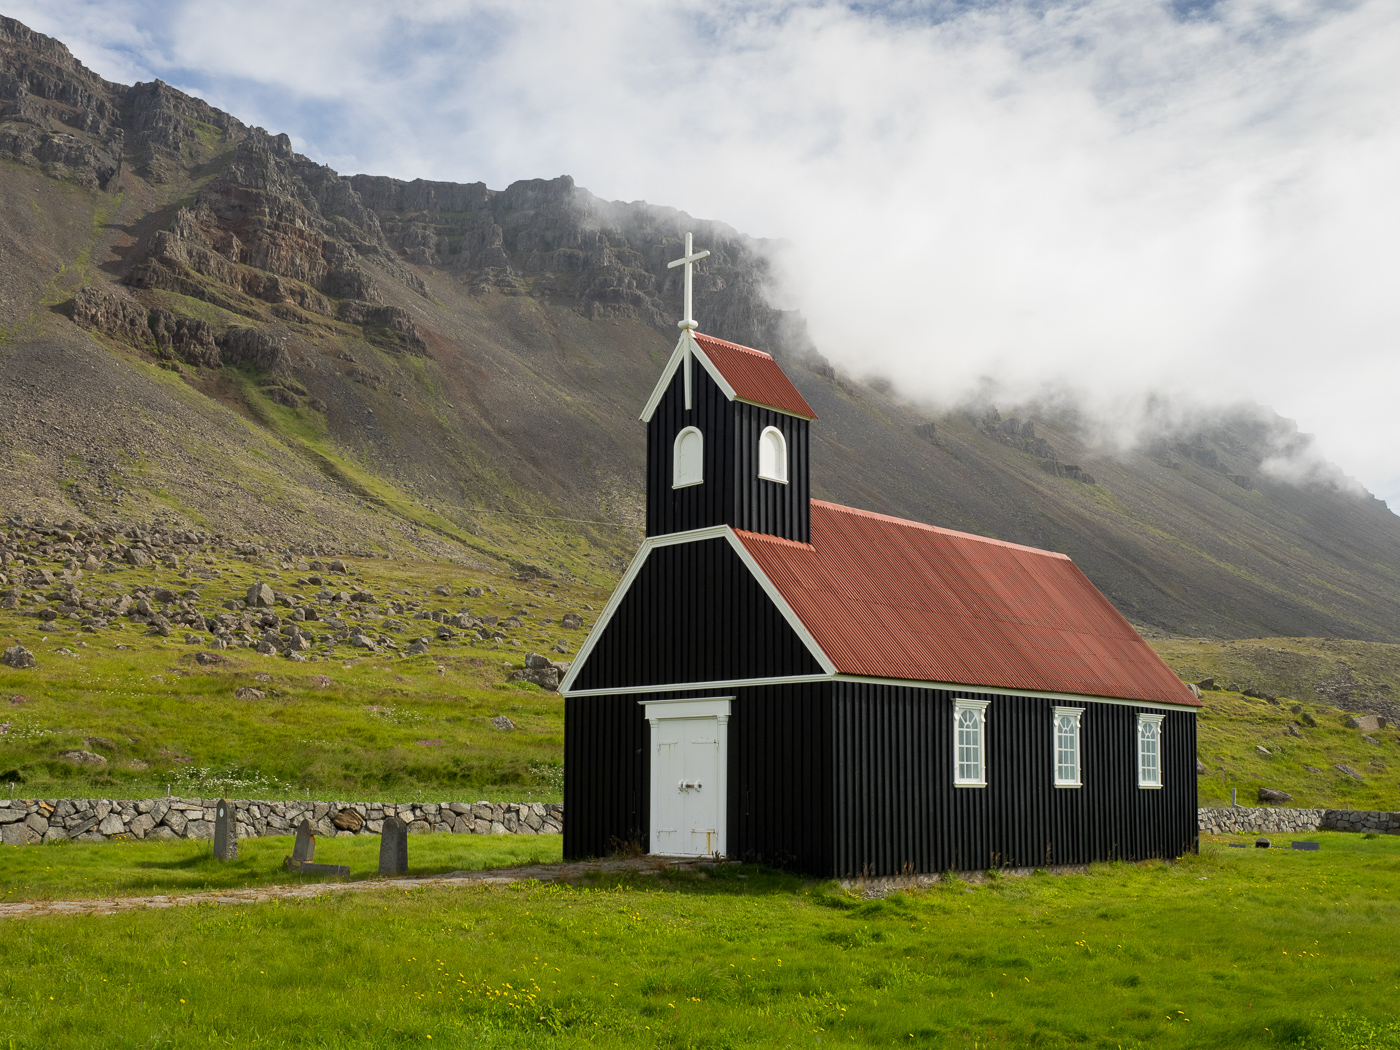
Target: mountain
column 199, row 325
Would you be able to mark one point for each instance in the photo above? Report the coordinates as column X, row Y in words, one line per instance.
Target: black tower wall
column 732, row 492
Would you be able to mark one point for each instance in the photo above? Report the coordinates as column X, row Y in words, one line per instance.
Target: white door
column 687, row 780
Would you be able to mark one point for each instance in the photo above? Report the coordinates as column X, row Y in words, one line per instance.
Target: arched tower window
column 688, row 459
column 772, row 455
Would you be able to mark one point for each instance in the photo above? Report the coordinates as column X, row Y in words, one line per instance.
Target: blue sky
column 1122, row 202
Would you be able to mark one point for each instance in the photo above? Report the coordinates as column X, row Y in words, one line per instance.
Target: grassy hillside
column 347, row 722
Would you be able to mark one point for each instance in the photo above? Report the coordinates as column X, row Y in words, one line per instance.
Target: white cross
column 688, row 322
column 691, row 258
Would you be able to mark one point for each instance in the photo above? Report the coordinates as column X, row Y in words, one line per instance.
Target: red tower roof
column 889, row 598
column 754, row 376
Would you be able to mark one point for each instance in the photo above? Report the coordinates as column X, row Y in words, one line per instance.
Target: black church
column 789, row 681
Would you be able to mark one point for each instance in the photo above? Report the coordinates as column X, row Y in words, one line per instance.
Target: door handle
column 686, row 785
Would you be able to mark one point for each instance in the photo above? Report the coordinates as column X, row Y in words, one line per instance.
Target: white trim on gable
column 625, row 585
column 677, row 358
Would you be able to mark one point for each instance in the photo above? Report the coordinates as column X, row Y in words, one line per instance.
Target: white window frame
column 1155, row 721
column 676, row 480
column 1076, row 714
column 979, row 709
column 780, row 469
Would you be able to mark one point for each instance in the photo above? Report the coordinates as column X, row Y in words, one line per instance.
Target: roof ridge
column 733, row 346
column 935, row 528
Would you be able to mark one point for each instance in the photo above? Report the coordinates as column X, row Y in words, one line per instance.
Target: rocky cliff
column 201, row 327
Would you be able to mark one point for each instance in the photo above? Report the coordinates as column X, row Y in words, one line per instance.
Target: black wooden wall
column 732, row 492
column 895, row 804
column 844, row 779
column 694, row 614
column 769, row 506
column 779, row 788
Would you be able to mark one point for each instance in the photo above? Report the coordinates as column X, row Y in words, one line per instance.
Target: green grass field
column 1232, row 948
column 121, row 869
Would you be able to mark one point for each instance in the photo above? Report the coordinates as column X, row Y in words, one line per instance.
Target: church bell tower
column 727, row 438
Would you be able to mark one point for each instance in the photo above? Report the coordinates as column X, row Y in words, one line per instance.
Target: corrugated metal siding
column 606, row 770
column 778, row 796
column 896, row 599
column 694, row 614
column 895, row 807
column 695, row 506
column 754, row 375
column 768, row 506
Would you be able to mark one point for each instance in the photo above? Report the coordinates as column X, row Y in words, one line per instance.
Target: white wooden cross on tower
column 687, row 322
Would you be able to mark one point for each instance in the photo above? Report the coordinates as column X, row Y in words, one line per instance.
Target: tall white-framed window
column 688, row 459
column 969, row 743
column 1149, row 749
column 772, row 455
column 1067, row 758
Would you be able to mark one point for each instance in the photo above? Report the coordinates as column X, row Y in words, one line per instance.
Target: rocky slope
column 201, row 328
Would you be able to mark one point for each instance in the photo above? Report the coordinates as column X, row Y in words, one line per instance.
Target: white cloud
column 1098, row 195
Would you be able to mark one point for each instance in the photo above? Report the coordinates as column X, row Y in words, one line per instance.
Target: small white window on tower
column 969, row 743
column 688, row 459
column 1149, row 743
column 1066, row 744
column 772, row 455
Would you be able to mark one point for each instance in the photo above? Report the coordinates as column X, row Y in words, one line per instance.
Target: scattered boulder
column 138, row 558
column 80, row 757
column 573, row 621
column 1200, row 768
column 210, row 658
column 559, row 647
column 1370, row 739
column 261, row 595
column 247, row 692
column 443, row 590
column 502, row 722
column 1341, row 768
column 1366, row 723
column 1274, row 795
column 1261, row 749
column 418, row 648
column 19, row 657
column 1307, row 719
column 1207, row 684
column 1311, row 769
column 1291, row 729
column 1195, row 689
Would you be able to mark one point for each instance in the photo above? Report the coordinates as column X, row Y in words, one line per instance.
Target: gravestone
column 225, row 831
column 393, row 847
column 304, row 849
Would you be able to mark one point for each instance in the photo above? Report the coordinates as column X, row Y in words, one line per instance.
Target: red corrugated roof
column 891, row 598
column 754, row 375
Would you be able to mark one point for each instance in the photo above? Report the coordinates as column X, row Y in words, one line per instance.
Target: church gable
column 693, row 612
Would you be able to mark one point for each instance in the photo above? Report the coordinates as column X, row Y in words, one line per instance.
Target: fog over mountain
column 1115, row 202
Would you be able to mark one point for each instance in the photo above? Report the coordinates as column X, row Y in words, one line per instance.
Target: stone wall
column 1247, row 820
column 27, row 821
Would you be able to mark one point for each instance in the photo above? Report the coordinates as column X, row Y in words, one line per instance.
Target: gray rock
column 82, row 758
column 419, row 827
column 19, row 835
column 177, row 822
column 111, row 824
column 1291, row 729
column 199, row 829
column 502, row 722
column 1366, row 723
column 1340, row 768
column 1274, row 795
column 260, row 595
column 1262, row 749
column 142, row 825
column 18, row 656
